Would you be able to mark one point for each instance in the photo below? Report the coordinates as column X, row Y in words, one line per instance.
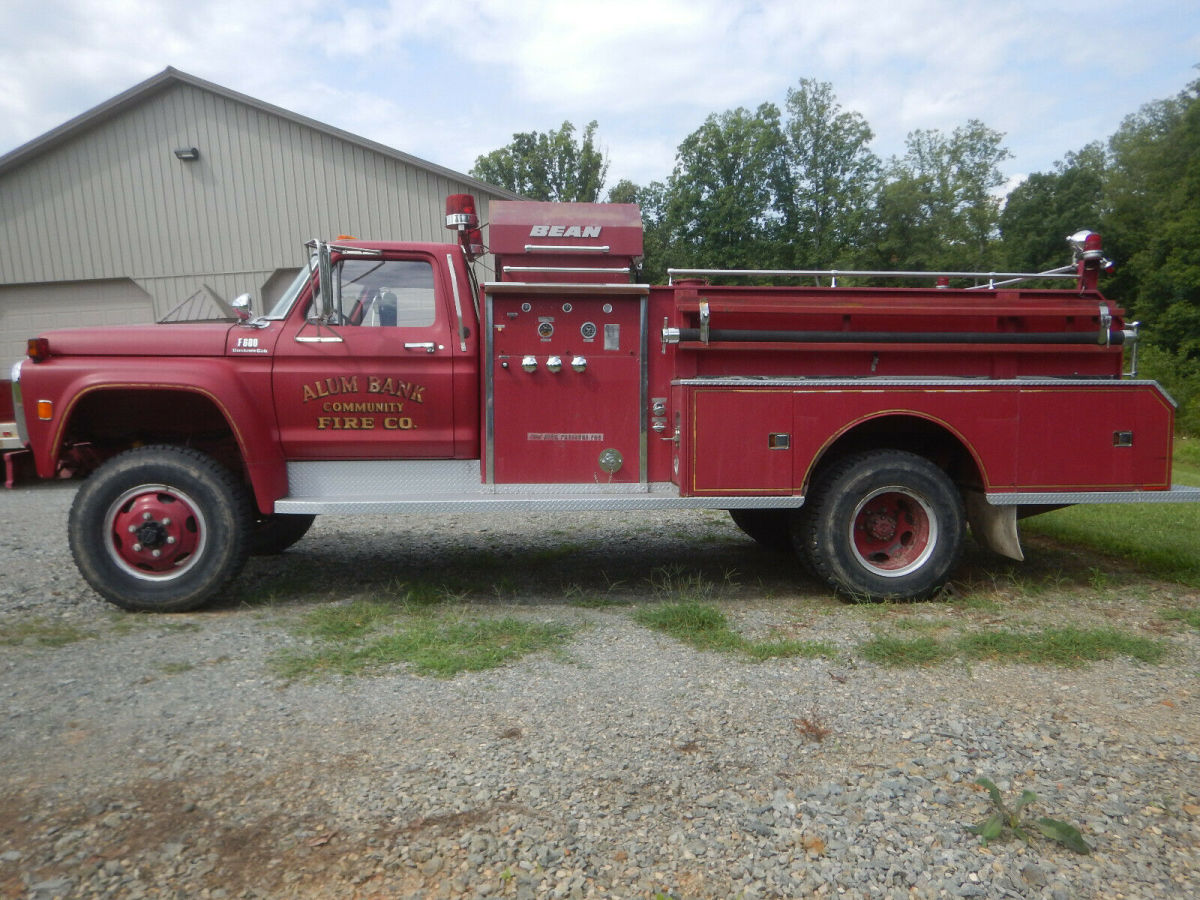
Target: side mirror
column 323, row 302
column 242, row 307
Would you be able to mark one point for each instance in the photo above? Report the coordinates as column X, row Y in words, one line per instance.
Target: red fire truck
column 862, row 428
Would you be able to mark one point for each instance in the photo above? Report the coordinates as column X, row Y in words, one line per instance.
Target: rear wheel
column 160, row 528
column 883, row 524
column 769, row 527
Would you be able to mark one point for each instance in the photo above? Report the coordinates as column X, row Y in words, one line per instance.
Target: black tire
column 769, row 527
column 271, row 535
column 174, row 502
column 886, row 524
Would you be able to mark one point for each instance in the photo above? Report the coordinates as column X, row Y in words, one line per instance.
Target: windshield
column 281, row 307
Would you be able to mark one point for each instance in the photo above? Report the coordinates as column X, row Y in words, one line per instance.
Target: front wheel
column 886, row 524
column 160, row 528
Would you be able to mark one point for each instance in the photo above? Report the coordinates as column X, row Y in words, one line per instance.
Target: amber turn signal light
column 45, row 410
column 38, row 349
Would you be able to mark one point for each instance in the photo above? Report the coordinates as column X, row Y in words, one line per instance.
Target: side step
column 446, row 486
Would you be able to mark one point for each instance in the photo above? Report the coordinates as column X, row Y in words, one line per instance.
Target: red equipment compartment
column 746, row 437
column 582, row 423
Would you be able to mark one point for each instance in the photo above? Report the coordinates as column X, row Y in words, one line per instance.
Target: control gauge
column 545, row 330
column 588, row 331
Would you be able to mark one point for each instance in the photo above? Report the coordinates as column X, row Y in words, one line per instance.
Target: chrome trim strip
column 644, row 392
column 462, row 338
column 854, row 273
column 562, row 248
column 1178, row 493
column 489, row 393
column 18, row 402
column 951, row 381
column 561, row 287
column 610, row 270
column 507, row 503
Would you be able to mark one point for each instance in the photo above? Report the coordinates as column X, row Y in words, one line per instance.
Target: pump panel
column 566, row 385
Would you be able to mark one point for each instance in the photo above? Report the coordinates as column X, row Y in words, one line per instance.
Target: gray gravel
column 160, row 757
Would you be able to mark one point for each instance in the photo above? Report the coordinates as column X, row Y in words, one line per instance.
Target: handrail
column 835, row 274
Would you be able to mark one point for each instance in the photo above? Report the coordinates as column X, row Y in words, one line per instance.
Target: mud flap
column 994, row 526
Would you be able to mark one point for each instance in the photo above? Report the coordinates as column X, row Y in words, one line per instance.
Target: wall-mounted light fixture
column 187, row 154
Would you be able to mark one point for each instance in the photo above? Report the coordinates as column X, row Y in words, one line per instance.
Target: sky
column 448, row 82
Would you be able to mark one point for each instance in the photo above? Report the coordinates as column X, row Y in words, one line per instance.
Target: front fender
column 239, row 390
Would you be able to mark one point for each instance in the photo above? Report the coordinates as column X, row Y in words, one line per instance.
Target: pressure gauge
column 588, row 331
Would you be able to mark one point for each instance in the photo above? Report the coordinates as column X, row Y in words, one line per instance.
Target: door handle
column 427, row 346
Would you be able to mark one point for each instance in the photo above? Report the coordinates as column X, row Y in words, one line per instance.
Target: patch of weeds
column 1098, row 579
column 40, row 633
column 886, row 650
column 705, row 627
column 348, row 622
column 504, row 587
column 368, row 636
column 175, row 668
column 677, row 583
column 1005, row 821
column 1067, row 646
column 277, row 590
column 812, row 728
column 574, row 595
column 914, row 624
column 760, row 651
column 1189, row 616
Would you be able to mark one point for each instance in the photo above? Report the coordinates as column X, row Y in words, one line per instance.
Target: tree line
column 800, row 187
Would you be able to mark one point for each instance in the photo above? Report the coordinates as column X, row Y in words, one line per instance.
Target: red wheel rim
column 893, row 532
column 155, row 532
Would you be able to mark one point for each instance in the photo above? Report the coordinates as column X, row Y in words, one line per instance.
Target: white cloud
column 451, row 84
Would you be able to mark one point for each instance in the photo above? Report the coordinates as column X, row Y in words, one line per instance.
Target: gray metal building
column 180, row 190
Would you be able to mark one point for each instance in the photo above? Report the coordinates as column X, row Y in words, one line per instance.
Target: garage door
column 26, row 310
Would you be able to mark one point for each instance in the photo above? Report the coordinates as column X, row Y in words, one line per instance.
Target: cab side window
column 384, row 293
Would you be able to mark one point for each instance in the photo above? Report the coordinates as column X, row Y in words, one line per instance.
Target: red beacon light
column 460, row 212
column 1087, row 245
column 462, row 217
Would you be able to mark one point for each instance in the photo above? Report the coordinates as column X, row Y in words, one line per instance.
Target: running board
column 358, row 487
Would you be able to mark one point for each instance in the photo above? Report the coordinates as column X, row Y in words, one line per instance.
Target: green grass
column 705, row 627
column 1188, row 616
column 1161, row 539
column 1067, row 646
column 41, row 633
column 371, row 636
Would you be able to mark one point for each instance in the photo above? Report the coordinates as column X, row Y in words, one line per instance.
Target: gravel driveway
column 160, row 756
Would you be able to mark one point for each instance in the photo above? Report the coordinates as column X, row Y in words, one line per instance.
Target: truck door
column 378, row 381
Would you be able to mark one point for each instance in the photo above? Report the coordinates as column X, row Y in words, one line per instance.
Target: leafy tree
column 549, row 166
column 938, row 209
column 832, row 176
column 720, row 205
column 1048, row 206
column 1154, row 223
column 651, row 199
